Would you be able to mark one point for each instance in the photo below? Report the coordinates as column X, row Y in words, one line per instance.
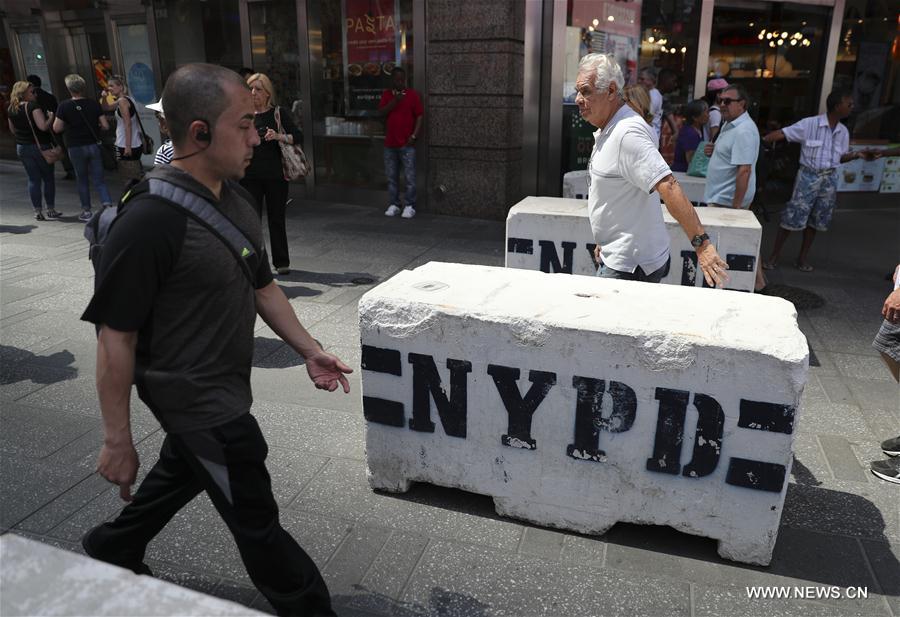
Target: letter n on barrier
column 382, row 411
column 427, row 386
column 589, row 420
column 519, row 409
column 550, row 259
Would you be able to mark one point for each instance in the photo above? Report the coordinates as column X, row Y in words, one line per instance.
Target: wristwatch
column 698, row 240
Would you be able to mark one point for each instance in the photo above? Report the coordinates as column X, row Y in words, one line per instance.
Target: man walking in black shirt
column 176, row 310
column 47, row 102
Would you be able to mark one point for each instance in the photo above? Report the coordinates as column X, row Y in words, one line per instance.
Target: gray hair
column 75, row 83
column 605, row 70
column 650, row 72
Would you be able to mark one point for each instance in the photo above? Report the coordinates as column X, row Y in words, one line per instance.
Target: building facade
column 496, row 76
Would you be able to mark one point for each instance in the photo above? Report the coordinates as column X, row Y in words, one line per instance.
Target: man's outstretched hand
column 327, row 371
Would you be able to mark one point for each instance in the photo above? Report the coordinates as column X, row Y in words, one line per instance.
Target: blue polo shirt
column 738, row 144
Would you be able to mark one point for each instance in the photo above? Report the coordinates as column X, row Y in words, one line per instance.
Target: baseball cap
column 157, row 107
column 716, row 84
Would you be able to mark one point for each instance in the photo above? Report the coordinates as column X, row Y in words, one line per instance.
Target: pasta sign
column 370, row 34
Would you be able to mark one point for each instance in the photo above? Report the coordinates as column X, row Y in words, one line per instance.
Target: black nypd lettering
column 520, row 245
column 688, row 268
column 708, row 437
column 669, row 431
column 550, row 259
column 591, row 247
column 740, row 263
column 756, row 475
column 427, row 386
column 766, row 416
column 589, row 420
column 382, row 411
column 520, row 410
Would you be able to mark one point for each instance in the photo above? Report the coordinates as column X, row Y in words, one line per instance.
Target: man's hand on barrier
column 713, row 267
column 891, row 308
column 118, row 463
column 327, row 371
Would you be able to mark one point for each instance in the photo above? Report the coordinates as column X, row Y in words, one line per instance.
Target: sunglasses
column 727, row 101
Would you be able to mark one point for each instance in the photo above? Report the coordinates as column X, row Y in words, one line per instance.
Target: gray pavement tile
column 350, row 563
column 388, row 573
column 311, row 313
column 185, row 578
column 320, row 536
column 292, row 386
column 844, row 508
column 291, row 471
column 810, row 465
column 861, row 367
column 813, row 392
column 711, row 600
column 65, row 505
column 542, row 543
column 37, row 432
column 836, row 389
column 578, row 549
column 885, row 561
column 33, row 483
column 842, row 460
column 18, row 341
column 14, row 293
column 320, row 431
column 339, row 490
column 235, row 592
column 833, row 419
column 458, row 579
column 881, row 395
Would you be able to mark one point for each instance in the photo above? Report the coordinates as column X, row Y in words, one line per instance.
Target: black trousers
column 274, row 193
column 228, row 462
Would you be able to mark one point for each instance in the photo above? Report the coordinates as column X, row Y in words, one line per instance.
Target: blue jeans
column 393, row 158
column 40, row 173
column 638, row 275
column 89, row 170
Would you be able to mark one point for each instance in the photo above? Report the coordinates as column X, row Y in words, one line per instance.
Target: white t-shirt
column 625, row 214
column 656, row 105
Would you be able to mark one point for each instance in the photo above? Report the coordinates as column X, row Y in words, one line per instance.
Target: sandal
column 39, row 216
column 804, row 267
column 770, row 264
column 53, row 214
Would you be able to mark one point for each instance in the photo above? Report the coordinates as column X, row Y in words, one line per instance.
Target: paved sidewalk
column 438, row 551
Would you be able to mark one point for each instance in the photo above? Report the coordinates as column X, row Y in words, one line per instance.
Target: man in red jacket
column 404, row 111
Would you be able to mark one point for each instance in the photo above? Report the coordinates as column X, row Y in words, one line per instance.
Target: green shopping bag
column 699, row 162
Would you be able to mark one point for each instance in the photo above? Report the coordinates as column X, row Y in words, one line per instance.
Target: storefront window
column 359, row 43
column 776, row 51
column 594, row 26
column 32, row 46
column 868, row 65
column 207, row 31
column 669, row 33
column 274, row 51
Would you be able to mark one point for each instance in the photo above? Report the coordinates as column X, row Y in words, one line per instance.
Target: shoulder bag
column 293, row 160
column 146, row 140
column 107, row 153
column 52, row 154
column 699, row 162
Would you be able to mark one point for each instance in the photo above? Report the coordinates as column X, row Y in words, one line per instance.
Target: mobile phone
column 262, row 131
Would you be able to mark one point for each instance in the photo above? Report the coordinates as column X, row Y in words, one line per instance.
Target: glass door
column 137, row 65
column 776, row 51
column 275, row 52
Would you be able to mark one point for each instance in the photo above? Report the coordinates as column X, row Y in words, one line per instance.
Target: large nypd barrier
column 554, row 235
column 580, row 402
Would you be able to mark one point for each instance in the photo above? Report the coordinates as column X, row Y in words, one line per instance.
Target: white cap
column 157, row 107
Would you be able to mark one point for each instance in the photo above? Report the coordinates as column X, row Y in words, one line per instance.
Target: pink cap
column 716, row 84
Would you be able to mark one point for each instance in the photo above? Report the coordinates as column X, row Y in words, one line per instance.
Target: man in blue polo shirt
column 731, row 176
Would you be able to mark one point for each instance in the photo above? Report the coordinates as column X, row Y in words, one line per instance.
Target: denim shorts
column 812, row 203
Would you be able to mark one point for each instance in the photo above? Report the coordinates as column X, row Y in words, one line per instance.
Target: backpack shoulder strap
column 205, row 213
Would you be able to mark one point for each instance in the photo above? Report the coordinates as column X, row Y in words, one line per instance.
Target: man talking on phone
column 403, row 108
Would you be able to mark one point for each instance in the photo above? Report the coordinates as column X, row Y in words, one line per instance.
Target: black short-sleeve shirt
column 82, row 118
column 169, row 278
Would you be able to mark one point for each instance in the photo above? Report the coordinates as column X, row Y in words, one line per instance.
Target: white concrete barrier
column 575, row 185
column 554, row 235
column 576, row 403
column 38, row 579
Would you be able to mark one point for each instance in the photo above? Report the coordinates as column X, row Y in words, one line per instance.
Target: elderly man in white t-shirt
column 627, row 178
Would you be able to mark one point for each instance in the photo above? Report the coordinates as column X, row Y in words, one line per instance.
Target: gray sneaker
column 888, row 470
column 85, row 216
column 891, row 447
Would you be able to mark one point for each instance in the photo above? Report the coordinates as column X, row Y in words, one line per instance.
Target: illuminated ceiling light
column 591, row 28
column 596, row 22
column 610, row 18
column 760, row 36
column 781, row 41
column 784, row 35
column 797, row 35
column 769, row 35
column 793, row 42
column 802, row 23
column 752, row 24
column 771, row 44
column 859, row 21
column 663, row 41
column 684, row 50
column 651, row 39
column 806, row 43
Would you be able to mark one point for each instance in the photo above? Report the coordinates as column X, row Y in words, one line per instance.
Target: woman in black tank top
column 30, row 127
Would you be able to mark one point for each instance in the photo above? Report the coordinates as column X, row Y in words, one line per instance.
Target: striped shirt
column 164, row 154
column 822, row 146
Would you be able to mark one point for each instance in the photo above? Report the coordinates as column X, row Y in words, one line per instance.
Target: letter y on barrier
column 520, row 410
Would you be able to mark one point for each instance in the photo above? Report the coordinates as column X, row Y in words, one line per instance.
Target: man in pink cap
column 713, row 90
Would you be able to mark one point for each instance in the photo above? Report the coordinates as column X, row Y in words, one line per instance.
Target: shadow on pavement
column 17, row 229
column 274, row 353
column 331, row 279
column 23, row 365
column 440, row 602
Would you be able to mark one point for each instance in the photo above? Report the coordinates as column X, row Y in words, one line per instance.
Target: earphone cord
column 187, row 156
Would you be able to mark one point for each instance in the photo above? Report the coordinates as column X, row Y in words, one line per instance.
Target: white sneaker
column 408, row 212
column 392, row 210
